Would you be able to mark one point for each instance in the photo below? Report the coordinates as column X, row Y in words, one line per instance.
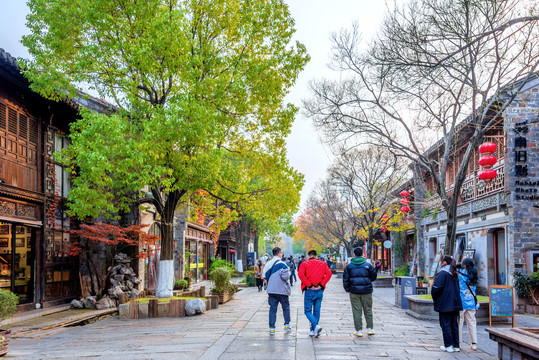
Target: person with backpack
column 277, row 275
column 292, row 266
column 446, row 296
column 357, row 281
column 259, row 267
column 467, row 284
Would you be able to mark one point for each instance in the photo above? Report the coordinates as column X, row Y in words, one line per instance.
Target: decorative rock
column 105, row 303
column 76, row 304
column 89, row 302
column 115, row 292
column 195, row 306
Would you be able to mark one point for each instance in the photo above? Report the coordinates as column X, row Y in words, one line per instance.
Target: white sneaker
column 456, row 349
column 449, row 349
column 358, row 333
column 317, row 330
column 311, row 333
column 370, row 332
column 474, row 347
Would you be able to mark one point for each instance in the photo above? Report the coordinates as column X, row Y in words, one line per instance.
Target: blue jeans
column 273, row 301
column 312, row 303
column 293, row 276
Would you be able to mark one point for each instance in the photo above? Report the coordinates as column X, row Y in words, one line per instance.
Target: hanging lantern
column 488, row 175
column 487, row 161
column 385, row 217
column 405, row 209
column 383, row 228
column 487, row 148
column 405, row 193
column 405, row 201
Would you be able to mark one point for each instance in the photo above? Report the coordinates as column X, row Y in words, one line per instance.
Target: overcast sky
column 315, row 21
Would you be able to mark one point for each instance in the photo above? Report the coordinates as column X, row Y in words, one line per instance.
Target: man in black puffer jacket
column 357, row 280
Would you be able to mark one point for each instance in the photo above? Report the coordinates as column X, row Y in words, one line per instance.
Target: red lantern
column 385, row 217
column 405, row 201
column 383, row 228
column 487, row 148
column 405, row 209
column 488, row 175
column 405, row 193
column 487, row 161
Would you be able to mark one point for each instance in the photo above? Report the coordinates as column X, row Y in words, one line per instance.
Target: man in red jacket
column 314, row 275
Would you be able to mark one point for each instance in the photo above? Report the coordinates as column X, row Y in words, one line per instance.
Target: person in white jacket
column 277, row 275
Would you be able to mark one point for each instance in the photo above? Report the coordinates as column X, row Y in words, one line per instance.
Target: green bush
column 221, row 278
column 181, row 284
column 250, row 278
column 527, row 285
column 402, row 270
column 223, row 264
column 8, row 304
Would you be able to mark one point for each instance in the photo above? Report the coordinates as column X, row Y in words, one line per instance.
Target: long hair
column 471, row 271
column 452, row 266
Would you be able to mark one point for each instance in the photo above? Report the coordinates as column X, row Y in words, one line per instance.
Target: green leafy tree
column 198, row 90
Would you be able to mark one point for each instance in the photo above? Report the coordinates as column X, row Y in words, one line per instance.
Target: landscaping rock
column 76, row 304
column 194, row 307
column 105, row 303
column 89, row 302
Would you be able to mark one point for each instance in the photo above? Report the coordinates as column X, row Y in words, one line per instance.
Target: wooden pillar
column 133, row 309
column 182, row 307
column 153, row 308
column 174, row 308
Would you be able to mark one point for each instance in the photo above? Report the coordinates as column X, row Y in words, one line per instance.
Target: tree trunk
column 166, row 260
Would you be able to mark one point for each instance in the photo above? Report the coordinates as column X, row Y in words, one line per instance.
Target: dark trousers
column 293, row 276
column 259, row 283
column 273, row 301
column 450, row 328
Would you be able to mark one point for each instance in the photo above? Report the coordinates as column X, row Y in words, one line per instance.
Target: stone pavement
column 239, row 330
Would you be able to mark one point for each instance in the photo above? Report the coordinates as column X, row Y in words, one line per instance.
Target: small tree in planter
column 527, row 286
column 221, row 278
column 8, row 306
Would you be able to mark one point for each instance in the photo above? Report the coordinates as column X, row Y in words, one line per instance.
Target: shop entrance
column 497, row 267
column 17, row 243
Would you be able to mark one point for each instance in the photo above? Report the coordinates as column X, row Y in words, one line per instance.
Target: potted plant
column 8, row 306
column 181, row 284
column 527, row 286
column 221, row 278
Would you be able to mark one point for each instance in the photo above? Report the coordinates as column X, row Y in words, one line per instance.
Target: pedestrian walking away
column 301, row 261
column 292, row 266
column 259, row 267
column 314, row 275
column 357, row 281
column 468, row 296
column 277, row 275
column 446, row 297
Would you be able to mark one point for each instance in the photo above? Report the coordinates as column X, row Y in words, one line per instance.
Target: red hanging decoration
column 488, row 175
column 405, row 193
column 383, row 228
column 405, row 209
column 487, row 161
column 385, row 217
column 405, row 201
column 487, row 148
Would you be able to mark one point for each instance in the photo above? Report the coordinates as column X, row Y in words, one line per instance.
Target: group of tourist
column 453, row 293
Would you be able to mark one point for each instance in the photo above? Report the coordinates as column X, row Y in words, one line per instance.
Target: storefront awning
column 189, row 237
column 11, row 219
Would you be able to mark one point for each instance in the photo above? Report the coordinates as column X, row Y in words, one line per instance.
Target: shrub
column 181, row 284
column 527, row 285
column 402, row 270
column 221, row 278
column 8, row 304
column 223, row 264
column 250, row 278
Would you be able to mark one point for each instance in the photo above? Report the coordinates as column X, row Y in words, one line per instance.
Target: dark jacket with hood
column 445, row 292
column 358, row 276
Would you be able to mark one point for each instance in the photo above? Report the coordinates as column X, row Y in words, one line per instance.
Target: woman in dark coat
column 446, row 295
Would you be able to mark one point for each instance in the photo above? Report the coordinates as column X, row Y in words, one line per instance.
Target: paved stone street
column 239, row 330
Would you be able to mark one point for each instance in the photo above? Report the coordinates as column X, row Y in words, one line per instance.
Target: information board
column 501, row 303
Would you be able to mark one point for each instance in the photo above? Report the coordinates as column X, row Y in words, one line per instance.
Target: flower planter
column 225, row 297
column 3, row 350
column 531, row 309
column 423, row 309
